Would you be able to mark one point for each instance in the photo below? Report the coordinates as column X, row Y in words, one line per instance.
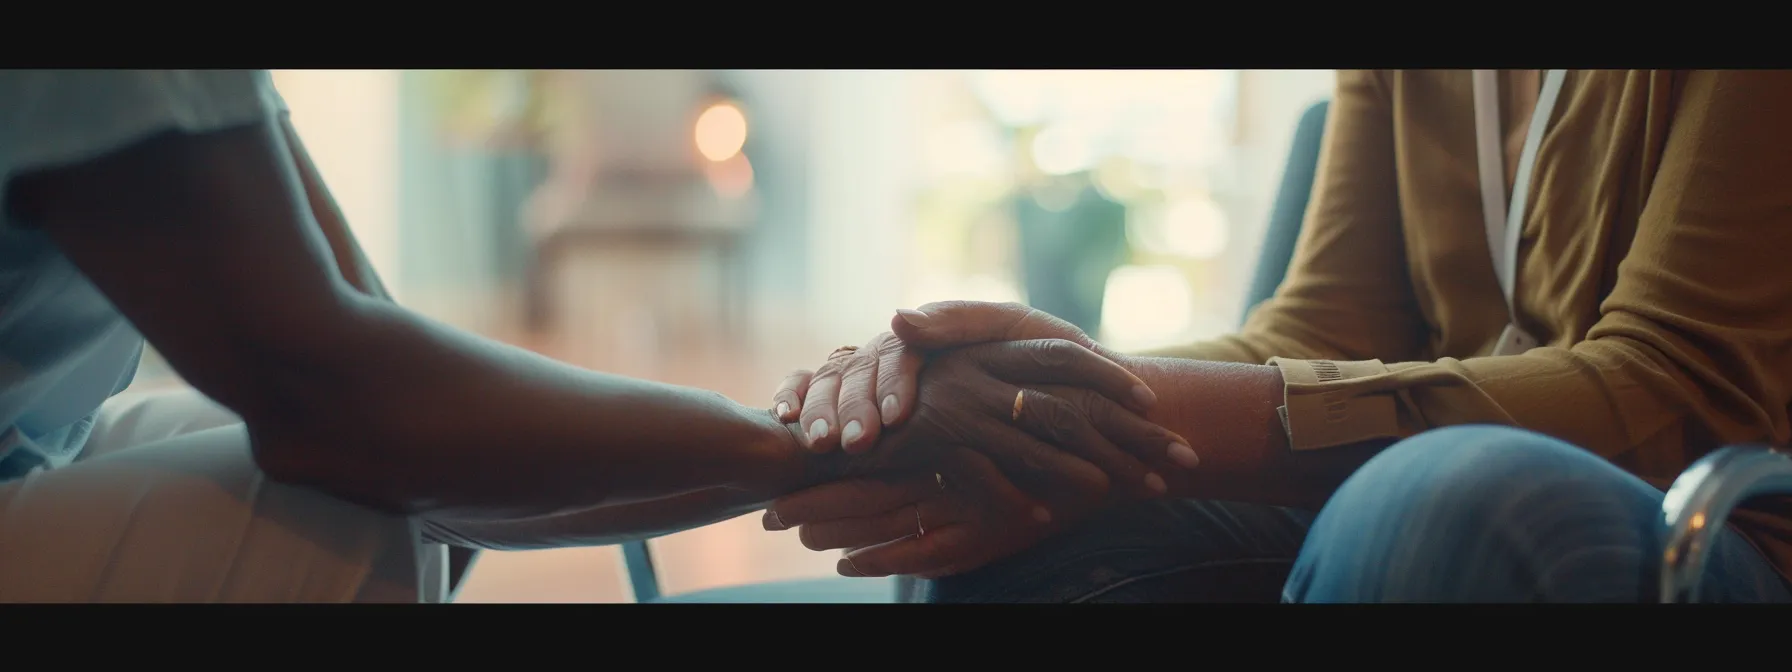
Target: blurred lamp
column 721, row 131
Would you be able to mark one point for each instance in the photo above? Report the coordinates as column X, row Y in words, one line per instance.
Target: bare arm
column 208, row 243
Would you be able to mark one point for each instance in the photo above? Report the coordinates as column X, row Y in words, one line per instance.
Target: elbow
column 359, row 474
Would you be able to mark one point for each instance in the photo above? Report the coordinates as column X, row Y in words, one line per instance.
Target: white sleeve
column 51, row 118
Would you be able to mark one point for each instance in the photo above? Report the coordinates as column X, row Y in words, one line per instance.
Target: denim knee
column 1479, row 513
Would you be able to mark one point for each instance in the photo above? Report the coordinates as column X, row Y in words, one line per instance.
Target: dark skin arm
column 210, row 245
column 359, row 273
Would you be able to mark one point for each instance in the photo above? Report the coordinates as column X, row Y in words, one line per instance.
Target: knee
column 1458, row 496
column 1469, row 471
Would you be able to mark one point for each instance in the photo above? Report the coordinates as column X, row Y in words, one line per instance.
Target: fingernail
column 772, row 522
column 1155, row 484
column 851, row 432
column 888, row 409
column 1041, row 514
column 914, row 317
column 1145, row 396
column 1184, row 455
column 845, row 567
column 818, row 430
column 783, row 410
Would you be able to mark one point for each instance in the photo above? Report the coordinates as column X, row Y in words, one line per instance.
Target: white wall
column 1270, row 102
column 348, row 120
column 861, row 218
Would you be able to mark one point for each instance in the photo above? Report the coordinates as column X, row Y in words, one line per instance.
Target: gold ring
column 921, row 530
column 842, row 350
column 940, row 480
column 1019, row 395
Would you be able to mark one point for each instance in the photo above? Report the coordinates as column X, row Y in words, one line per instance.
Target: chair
column 1701, row 500
column 637, row 560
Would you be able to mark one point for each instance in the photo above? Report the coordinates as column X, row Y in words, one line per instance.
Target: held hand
column 854, row 394
column 974, row 397
column 873, row 386
column 928, row 524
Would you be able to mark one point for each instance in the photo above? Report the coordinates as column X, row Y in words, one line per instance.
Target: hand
column 923, row 524
column 856, row 392
column 972, row 397
column 882, row 375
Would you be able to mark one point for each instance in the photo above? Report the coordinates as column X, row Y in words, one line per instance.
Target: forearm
column 1228, row 412
column 418, row 417
column 599, row 526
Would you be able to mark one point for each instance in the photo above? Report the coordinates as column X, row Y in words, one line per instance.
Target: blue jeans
column 1463, row 514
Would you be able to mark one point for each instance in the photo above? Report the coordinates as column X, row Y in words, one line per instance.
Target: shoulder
column 63, row 117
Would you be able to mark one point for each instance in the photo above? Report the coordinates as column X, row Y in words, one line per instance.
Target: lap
column 1495, row 514
column 189, row 517
column 1157, row 551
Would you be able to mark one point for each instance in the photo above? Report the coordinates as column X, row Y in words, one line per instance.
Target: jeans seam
column 1178, row 570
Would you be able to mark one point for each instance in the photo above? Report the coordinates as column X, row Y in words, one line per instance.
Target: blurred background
column 717, row 228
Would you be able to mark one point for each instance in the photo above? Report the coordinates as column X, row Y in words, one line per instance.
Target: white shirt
column 64, row 349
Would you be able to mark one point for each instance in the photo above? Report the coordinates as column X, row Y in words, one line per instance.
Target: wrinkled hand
column 977, row 396
column 926, row 524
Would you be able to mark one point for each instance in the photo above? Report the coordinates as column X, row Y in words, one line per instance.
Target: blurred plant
column 500, row 107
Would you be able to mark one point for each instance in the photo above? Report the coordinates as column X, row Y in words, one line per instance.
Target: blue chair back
column 1290, row 207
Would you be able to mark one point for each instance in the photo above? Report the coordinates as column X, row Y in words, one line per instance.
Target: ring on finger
column 1019, row 397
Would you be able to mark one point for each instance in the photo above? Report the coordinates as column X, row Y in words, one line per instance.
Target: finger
column 974, row 476
column 856, row 498
column 818, row 417
column 1060, row 362
column 1006, row 519
column 856, row 407
column 913, row 554
column 1130, row 433
column 898, row 369
column 920, row 518
column 1010, row 520
column 1069, row 426
column 1056, row 476
column 948, row 324
column 788, row 400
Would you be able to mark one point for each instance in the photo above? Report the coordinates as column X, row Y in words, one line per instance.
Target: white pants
column 166, row 505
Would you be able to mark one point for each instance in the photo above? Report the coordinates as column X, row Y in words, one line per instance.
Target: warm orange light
column 721, row 132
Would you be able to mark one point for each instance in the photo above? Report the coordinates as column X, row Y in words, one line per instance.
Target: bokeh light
column 721, row 132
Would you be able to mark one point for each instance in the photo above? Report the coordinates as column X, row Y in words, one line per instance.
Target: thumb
column 950, row 324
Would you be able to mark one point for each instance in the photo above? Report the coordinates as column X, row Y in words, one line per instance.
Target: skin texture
column 1228, row 409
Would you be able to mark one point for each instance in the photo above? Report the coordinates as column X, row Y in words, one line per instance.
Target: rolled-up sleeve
column 54, row 118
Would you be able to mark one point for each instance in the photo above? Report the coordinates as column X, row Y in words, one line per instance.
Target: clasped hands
column 976, row 430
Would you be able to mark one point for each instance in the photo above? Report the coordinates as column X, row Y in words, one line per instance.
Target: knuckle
column 1094, row 407
column 1055, row 353
column 1057, row 416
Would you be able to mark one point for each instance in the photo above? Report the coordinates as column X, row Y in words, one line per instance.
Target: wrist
column 779, row 464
